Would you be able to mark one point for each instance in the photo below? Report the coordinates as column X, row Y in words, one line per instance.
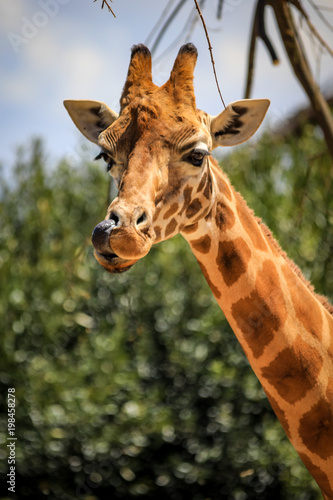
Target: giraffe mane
column 321, row 298
column 274, row 243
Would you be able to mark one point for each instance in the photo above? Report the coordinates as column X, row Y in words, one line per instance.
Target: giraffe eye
column 110, row 164
column 196, row 157
column 108, row 160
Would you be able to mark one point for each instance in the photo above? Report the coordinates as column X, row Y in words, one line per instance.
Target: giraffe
column 158, row 150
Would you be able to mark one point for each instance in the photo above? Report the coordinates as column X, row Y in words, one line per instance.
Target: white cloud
column 85, row 66
column 50, row 66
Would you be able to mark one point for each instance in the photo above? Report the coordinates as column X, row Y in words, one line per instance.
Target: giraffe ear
column 90, row 117
column 238, row 122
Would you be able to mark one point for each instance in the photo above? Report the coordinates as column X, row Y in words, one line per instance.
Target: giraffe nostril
column 115, row 218
column 136, row 217
column 143, row 218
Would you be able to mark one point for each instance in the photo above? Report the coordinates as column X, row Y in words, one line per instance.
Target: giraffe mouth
column 112, row 263
column 117, row 249
column 103, row 252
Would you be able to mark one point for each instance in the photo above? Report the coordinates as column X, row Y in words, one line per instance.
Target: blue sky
column 51, row 50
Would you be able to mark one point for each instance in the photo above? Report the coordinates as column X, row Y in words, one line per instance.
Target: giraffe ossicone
column 158, row 133
column 158, row 150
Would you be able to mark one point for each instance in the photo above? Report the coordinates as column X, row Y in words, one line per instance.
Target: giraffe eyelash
column 103, row 155
column 108, row 160
column 197, row 156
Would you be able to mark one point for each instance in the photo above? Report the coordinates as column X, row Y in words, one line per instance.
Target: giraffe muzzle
column 119, row 243
column 103, row 251
column 101, row 236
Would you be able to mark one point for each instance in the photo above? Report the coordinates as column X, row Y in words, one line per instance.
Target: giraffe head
column 158, row 152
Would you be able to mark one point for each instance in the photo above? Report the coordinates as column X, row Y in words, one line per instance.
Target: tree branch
column 163, row 15
column 167, row 24
column 262, row 31
column 302, row 69
column 318, row 9
column 219, row 9
column 313, row 30
column 210, row 50
column 188, row 29
column 258, row 30
column 105, row 2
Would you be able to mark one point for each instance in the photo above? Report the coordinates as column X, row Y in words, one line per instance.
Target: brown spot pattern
column 307, row 308
column 279, row 413
column 158, row 230
column 225, row 217
column 170, row 227
column 329, row 392
column 187, row 198
column 173, row 209
column 294, row 371
column 193, row 208
column 191, row 228
column 211, row 285
column 157, row 213
column 208, row 190
column 250, row 223
column 202, row 183
column 202, row 244
column 330, row 348
column 316, row 429
column 320, row 476
column 223, row 187
column 262, row 313
column 232, row 259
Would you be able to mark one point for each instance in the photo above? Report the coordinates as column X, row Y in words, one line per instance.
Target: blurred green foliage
column 133, row 385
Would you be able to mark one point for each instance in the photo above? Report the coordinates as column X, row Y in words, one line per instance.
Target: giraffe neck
column 283, row 327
